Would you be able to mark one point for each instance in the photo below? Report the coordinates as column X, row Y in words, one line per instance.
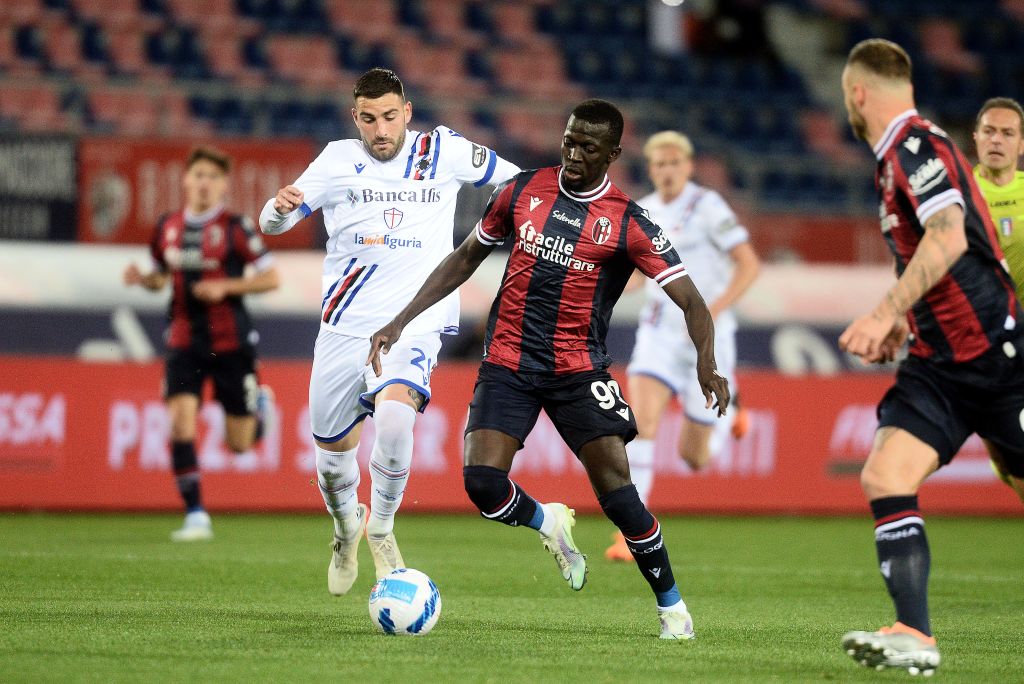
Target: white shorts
column 670, row 357
column 342, row 386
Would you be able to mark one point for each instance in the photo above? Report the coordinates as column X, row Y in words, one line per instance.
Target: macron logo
column 913, row 144
column 360, row 167
column 656, row 572
column 534, row 202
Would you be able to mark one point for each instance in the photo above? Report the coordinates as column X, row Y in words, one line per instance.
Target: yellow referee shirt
column 1006, row 205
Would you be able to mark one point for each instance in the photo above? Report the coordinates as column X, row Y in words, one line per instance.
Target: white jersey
column 703, row 230
column 389, row 224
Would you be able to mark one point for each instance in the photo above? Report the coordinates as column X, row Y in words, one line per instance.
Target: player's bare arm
column 747, row 266
column 701, row 329
column 449, row 274
column 151, row 281
column 217, row 289
column 944, row 241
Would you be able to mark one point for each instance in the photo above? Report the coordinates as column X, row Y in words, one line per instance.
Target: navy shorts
column 233, row 373
column 582, row 406
column 942, row 404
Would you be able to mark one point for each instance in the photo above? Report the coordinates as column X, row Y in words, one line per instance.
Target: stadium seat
column 368, row 21
column 304, row 60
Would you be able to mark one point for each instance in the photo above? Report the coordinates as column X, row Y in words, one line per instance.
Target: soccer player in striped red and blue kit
column 576, row 240
column 965, row 369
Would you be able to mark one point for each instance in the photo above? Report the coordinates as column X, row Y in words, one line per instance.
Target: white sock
column 674, row 608
column 641, row 466
column 389, row 464
column 337, row 473
column 547, row 525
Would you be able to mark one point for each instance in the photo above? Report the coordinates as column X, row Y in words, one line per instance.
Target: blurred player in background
column 576, row 240
column 203, row 251
column 999, row 137
column 965, row 370
column 389, row 208
column 722, row 264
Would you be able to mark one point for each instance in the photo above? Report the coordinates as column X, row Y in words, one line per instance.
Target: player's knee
column 487, row 487
column 697, row 456
column 238, row 444
column 393, row 422
column 878, row 480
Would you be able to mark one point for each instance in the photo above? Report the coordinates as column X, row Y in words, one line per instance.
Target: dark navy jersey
column 572, row 254
column 220, row 247
column 920, row 172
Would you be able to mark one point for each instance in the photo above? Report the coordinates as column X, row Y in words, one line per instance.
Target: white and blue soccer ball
column 405, row 601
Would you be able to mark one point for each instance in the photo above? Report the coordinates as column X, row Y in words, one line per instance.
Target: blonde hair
column 668, row 139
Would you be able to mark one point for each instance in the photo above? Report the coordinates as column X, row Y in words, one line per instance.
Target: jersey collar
column 885, row 142
column 588, row 196
column 205, row 217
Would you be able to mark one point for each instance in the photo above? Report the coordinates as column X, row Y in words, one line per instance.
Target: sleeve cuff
column 936, row 204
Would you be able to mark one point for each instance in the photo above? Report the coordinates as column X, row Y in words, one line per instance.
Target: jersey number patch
column 608, row 395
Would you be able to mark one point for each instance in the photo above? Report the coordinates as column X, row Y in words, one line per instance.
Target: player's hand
column 381, row 343
column 864, row 337
column 210, row 291
column 288, row 199
column 892, row 343
column 715, row 388
column 132, row 275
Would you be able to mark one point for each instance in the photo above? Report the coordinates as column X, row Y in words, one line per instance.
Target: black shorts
column 235, row 384
column 582, row 406
column 942, row 404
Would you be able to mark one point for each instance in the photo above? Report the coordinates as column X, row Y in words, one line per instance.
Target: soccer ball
column 405, row 601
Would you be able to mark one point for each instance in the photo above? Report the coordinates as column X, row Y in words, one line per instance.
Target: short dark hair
column 601, row 112
column 378, row 82
column 1001, row 103
column 882, row 57
column 210, row 154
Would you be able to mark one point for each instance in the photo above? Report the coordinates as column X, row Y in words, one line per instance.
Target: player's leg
column 1001, row 466
column 236, row 388
column 182, row 386
column 649, row 396
column 605, row 461
column 920, row 428
column 397, row 395
column 504, row 409
column 703, row 433
column 336, row 381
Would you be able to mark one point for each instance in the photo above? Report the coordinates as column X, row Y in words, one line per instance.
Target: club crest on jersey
column 602, row 230
column 479, row 155
column 393, row 217
column 215, row 235
column 660, row 243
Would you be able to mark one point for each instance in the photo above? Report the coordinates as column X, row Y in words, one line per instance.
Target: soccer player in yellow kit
column 999, row 137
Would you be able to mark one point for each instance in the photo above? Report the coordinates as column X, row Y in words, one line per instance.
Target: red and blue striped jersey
column 921, row 171
column 216, row 246
column 572, row 254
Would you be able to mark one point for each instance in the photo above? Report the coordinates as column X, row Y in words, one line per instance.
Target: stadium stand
column 766, row 118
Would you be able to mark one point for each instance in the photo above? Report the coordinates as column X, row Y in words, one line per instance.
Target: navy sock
column 186, row 474
column 499, row 498
column 643, row 537
column 903, row 557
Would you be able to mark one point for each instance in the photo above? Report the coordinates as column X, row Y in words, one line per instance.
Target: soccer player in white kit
column 388, row 203
column 717, row 254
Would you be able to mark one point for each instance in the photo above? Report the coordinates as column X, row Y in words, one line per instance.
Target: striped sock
column 643, row 537
column 500, row 499
column 903, row 557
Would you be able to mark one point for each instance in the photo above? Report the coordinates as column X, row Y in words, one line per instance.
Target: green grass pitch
column 110, row 598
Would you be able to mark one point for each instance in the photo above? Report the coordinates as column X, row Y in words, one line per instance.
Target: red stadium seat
column 304, row 60
column 111, row 14
column 371, row 21
column 35, row 108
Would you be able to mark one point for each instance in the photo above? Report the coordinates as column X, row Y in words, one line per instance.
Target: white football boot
column 898, row 646
column 676, row 624
column 571, row 562
column 386, row 556
column 344, row 566
column 197, row 527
